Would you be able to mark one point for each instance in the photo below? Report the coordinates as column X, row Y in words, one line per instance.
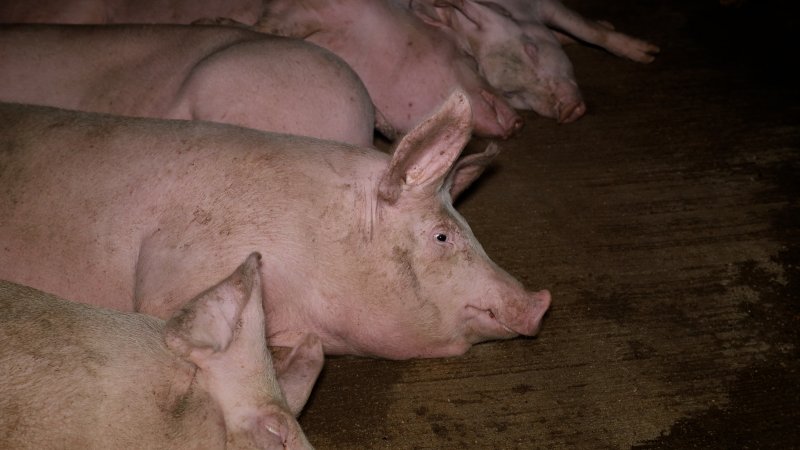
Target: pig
column 361, row 248
column 215, row 73
column 78, row 376
column 408, row 67
column 521, row 56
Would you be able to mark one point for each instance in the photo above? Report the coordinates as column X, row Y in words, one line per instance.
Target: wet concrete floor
column 665, row 222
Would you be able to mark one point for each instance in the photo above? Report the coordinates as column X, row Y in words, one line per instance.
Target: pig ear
column 469, row 168
column 424, row 156
column 208, row 324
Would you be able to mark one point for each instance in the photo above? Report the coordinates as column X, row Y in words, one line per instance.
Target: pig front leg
column 556, row 15
column 298, row 369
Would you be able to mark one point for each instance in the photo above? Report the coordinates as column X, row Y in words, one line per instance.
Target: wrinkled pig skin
column 77, row 376
column 409, row 67
column 219, row 74
column 361, row 249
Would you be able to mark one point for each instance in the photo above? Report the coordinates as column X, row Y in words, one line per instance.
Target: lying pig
column 76, row 376
column 408, row 67
column 219, row 74
column 520, row 55
column 362, row 249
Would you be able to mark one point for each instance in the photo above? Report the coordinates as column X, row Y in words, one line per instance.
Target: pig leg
column 565, row 39
column 297, row 369
column 556, row 15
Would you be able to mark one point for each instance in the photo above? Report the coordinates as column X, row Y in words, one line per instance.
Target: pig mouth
column 490, row 324
column 493, row 316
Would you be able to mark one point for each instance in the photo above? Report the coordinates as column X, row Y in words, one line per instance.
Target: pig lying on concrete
column 218, row 74
column 361, row 249
column 76, row 376
column 408, row 67
column 519, row 53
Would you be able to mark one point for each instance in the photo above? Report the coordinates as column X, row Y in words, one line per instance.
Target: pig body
column 408, row 67
column 365, row 251
column 219, row 74
column 76, row 376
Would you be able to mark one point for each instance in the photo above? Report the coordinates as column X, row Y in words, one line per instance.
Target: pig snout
column 519, row 313
column 569, row 105
column 571, row 111
column 496, row 118
column 524, row 315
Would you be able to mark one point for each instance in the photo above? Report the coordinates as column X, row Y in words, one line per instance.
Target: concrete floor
column 666, row 223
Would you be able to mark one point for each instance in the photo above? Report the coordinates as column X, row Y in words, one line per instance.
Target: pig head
column 75, row 376
column 409, row 67
column 530, row 69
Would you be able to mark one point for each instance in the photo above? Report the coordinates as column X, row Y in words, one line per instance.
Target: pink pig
column 362, row 249
column 408, row 67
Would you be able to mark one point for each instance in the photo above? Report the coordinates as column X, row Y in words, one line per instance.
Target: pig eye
column 441, row 237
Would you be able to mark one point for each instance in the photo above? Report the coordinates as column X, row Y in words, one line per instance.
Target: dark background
column 666, row 224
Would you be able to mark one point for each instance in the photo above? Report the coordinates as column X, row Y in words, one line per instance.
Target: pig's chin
column 487, row 325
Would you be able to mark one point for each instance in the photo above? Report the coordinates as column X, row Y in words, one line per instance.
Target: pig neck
column 308, row 269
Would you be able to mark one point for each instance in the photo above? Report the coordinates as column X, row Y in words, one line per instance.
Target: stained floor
column 666, row 223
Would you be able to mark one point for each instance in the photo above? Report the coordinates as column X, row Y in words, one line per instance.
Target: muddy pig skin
column 362, row 249
column 220, row 74
column 77, row 376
